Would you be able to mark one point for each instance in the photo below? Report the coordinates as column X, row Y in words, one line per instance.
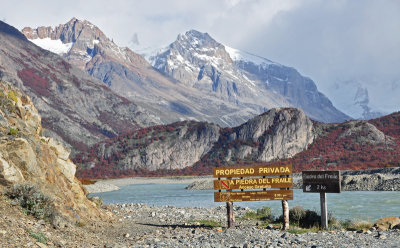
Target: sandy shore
column 114, row 184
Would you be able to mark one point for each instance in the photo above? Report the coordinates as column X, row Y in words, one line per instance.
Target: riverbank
column 385, row 179
column 108, row 185
column 141, row 225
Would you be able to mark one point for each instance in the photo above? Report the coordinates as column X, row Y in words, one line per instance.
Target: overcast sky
column 328, row 41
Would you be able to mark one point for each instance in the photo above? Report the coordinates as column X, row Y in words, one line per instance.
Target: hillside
column 75, row 107
column 38, row 167
column 277, row 136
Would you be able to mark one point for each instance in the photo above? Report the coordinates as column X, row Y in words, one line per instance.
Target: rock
column 41, row 245
column 29, row 154
column 270, row 227
column 386, row 223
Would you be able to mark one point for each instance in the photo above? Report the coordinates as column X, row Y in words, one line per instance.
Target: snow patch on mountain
column 55, row 46
column 237, row 55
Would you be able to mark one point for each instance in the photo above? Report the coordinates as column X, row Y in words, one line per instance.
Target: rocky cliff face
column 29, row 158
column 247, row 80
column 171, row 147
column 75, row 107
column 276, row 134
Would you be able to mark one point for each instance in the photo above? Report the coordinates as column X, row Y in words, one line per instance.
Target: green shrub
column 297, row 214
column 11, row 95
column 305, row 218
column 13, row 131
column 40, row 237
column 6, row 104
column 32, row 200
column 263, row 214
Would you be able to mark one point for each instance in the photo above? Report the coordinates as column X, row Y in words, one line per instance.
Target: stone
column 270, row 227
column 386, row 223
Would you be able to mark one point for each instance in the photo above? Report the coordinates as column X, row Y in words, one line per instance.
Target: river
column 358, row 205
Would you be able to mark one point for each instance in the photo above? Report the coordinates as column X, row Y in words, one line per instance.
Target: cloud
column 329, row 41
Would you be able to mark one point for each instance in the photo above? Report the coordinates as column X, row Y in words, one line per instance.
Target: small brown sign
column 254, row 171
column 253, row 183
column 321, row 181
column 239, row 196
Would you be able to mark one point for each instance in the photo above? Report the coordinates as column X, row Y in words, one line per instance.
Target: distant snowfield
column 55, row 46
column 237, row 55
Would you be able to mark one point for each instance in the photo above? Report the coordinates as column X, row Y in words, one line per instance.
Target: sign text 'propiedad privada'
column 263, row 178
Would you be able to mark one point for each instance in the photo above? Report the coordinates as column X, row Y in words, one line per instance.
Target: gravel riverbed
column 179, row 227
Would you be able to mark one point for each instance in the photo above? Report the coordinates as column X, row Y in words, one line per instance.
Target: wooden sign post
column 260, row 179
column 322, row 182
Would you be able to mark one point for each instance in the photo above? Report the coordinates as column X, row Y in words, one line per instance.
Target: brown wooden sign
column 239, row 196
column 321, row 181
column 246, row 171
column 253, row 183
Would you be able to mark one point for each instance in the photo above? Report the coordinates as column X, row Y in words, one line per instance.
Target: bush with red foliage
column 34, row 80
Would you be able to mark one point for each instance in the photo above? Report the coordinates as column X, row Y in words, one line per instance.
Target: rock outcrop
column 175, row 147
column 26, row 157
column 276, row 134
column 280, row 133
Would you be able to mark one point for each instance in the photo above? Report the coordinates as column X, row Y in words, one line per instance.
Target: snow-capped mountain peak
column 247, row 80
column 82, row 43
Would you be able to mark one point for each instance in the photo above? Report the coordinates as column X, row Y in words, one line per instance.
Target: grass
column 354, row 225
column 263, row 214
column 295, row 230
column 207, row 223
column 40, row 237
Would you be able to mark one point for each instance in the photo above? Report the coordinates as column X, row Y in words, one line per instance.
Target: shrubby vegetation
column 306, row 220
column 32, row 200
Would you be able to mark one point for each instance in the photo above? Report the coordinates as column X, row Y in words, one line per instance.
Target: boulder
column 386, row 223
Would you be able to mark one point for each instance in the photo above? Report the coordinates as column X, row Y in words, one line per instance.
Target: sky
column 343, row 45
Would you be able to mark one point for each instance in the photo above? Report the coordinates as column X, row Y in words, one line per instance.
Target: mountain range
column 279, row 136
column 193, row 105
column 75, row 107
column 194, row 78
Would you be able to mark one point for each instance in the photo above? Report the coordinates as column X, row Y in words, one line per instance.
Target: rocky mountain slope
column 247, row 80
column 75, row 107
column 276, row 134
column 284, row 135
column 200, row 80
column 130, row 75
column 27, row 158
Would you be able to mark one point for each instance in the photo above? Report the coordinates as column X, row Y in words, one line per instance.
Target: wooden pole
column 285, row 209
column 229, row 212
column 230, row 215
column 324, row 214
